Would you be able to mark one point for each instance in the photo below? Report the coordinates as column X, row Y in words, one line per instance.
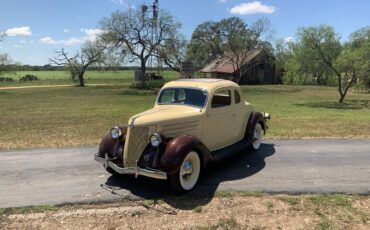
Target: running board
column 230, row 150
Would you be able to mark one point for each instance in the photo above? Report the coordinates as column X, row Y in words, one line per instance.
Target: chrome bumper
column 107, row 162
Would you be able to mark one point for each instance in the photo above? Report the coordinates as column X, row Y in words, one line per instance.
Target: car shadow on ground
column 239, row 166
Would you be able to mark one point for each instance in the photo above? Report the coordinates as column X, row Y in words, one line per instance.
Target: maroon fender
column 254, row 118
column 108, row 144
column 176, row 150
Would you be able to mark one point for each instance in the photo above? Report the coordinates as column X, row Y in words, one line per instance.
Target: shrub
column 4, row 79
column 152, row 84
column 29, row 77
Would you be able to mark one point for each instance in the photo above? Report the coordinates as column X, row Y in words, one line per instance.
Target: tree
column 6, row 64
column 92, row 53
column 354, row 61
column 173, row 52
column 303, row 65
column 347, row 62
column 231, row 38
column 203, row 46
column 139, row 34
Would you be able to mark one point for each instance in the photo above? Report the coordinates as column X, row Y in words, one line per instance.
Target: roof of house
column 224, row 65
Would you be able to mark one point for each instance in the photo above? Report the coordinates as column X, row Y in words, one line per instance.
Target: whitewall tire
column 187, row 176
column 257, row 137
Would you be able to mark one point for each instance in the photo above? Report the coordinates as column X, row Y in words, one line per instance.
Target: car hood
column 164, row 114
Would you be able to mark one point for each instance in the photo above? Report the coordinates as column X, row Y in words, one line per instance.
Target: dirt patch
column 222, row 212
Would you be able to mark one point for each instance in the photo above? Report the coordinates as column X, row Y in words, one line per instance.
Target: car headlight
column 155, row 139
column 115, row 132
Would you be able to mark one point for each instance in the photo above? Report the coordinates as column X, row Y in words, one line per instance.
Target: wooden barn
column 257, row 68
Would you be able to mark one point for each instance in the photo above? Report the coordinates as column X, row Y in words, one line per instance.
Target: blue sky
column 37, row 28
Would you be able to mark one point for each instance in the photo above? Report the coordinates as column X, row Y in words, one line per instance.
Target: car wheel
column 187, row 176
column 257, row 137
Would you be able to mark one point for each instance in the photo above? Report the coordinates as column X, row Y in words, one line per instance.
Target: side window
column 237, row 97
column 167, row 96
column 221, row 98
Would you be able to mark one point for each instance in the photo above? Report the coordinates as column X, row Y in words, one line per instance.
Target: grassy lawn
column 73, row 116
column 91, row 77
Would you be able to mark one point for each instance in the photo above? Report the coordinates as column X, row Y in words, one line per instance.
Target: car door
column 240, row 115
column 219, row 123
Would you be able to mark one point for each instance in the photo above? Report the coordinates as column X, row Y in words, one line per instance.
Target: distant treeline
column 64, row 68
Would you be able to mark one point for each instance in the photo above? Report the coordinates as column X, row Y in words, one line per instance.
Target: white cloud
column 252, row 8
column 66, row 30
column 17, row 46
column 32, row 41
column 69, row 42
column 22, row 41
column 119, row 2
column 19, row 31
column 90, row 35
column 222, row 1
column 288, row 39
column 48, row 40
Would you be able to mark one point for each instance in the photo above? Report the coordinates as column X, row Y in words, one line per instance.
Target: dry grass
column 239, row 211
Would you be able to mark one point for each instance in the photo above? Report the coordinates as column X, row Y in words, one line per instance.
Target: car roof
column 204, row 83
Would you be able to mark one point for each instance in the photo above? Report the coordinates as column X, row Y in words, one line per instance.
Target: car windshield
column 183, row 96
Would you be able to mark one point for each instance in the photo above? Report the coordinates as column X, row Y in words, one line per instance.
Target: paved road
column 69, row 175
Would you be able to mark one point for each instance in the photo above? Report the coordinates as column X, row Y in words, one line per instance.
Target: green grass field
column 74, row 116
column 91, row 77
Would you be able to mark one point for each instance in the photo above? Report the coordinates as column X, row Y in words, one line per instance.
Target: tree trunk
column 341, row 99
column 81, row 79
column 143, row 70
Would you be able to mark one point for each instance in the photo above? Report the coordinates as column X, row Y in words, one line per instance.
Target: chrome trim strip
column 132, row 170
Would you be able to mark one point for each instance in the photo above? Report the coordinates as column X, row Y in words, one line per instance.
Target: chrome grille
column 136, row 141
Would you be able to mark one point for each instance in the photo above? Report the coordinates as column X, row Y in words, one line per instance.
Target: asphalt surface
column 70, row 175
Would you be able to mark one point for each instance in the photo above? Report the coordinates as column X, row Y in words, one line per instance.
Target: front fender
column 176, row 150
column 109, row 145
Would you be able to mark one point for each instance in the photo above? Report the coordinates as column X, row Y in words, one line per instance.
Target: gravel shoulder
column 224, row 211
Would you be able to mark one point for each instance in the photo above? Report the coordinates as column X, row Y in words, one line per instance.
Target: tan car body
column 206, row 129
column 203, row 123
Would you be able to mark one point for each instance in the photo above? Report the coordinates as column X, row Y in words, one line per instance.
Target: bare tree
column 6, row 64
column 173, row 52
column 139, row 34
column 92, row 53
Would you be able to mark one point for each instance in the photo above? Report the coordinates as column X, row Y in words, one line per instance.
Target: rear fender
column 254, row 118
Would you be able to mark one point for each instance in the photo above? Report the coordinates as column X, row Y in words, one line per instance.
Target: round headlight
column 155, row 139
column 115, row 132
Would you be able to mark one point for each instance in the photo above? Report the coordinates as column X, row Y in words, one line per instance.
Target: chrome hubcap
column 257, row 136
column 187, row 169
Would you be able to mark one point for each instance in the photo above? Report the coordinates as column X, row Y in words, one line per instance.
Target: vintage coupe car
column 193, row 122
